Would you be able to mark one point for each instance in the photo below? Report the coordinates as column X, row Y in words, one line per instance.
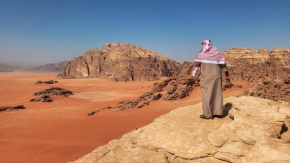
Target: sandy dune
column 61, row 131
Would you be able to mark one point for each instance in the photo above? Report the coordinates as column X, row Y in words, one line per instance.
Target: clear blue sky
column 55, row 30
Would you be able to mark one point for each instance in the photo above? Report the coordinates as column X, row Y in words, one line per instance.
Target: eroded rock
column 17, row 107
column 121, row 62
column 43, row 98
column 181, row 136
column 46, row 82
column 45, row 95
column 54, row 91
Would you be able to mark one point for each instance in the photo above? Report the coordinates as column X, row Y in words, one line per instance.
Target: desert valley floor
column 62, row 131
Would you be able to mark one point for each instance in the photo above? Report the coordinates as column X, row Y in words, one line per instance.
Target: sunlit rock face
column 253, row 131
column 121, row 62
column 268, row 72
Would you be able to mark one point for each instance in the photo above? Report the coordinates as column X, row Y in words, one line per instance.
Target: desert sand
column 61, row 131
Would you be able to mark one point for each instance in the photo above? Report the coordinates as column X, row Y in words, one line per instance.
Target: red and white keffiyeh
column 210, row 54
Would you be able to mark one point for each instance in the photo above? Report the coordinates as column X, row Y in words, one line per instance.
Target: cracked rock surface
column 252, row 132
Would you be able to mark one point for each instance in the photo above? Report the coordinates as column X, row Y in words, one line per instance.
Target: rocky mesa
column 268, row 72
column 255, row 130
column 121, row 62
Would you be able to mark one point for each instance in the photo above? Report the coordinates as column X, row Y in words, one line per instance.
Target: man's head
column 205, row 44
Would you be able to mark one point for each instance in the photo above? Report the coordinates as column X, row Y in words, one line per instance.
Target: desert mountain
column 51, row 67
column 121, row 62
column 7, row 67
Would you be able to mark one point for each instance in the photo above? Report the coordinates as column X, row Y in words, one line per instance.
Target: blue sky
column 45, row 31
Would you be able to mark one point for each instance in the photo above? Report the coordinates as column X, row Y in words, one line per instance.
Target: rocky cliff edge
column 255, row 130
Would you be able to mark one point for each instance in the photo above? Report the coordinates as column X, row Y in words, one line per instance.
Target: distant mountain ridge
column 8, row 68
column 51, row 67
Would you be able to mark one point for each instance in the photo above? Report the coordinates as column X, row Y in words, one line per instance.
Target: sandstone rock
column 267, row 71
column 46, row 82
column 54, row 91
column 267, row 150
column 181, row 136
column 179, row 89
column 121, row 62
column 285, row 133
column 3, row 108
column 43, row 98
column 158, row 86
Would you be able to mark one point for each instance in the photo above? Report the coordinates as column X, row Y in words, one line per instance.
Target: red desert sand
column 61, row 131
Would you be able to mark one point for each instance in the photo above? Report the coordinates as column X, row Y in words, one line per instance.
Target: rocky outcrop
column 46, row 82
column 121, row 62
column 268, row 72
column 253, row 134
column 3, row 108
column 251, row 65
column 43, row 98
column 45, row 95
column 179, row 89
column 54, row 91
column 169, row 89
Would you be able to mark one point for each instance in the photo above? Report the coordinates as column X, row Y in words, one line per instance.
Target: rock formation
column 43, row 98
column 177, row 89
column 46, row 82
column 267, row 72
column 54, row 91
column 121, row 62
column 45, row 95
column 257, row 132
column 3, row 108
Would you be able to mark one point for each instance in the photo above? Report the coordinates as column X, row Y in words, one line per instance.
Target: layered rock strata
column 267, row 72
column 257, row 132
column 126, row 62
column 121, row 62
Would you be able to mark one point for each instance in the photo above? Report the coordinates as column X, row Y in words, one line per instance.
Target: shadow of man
column 228, row 106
